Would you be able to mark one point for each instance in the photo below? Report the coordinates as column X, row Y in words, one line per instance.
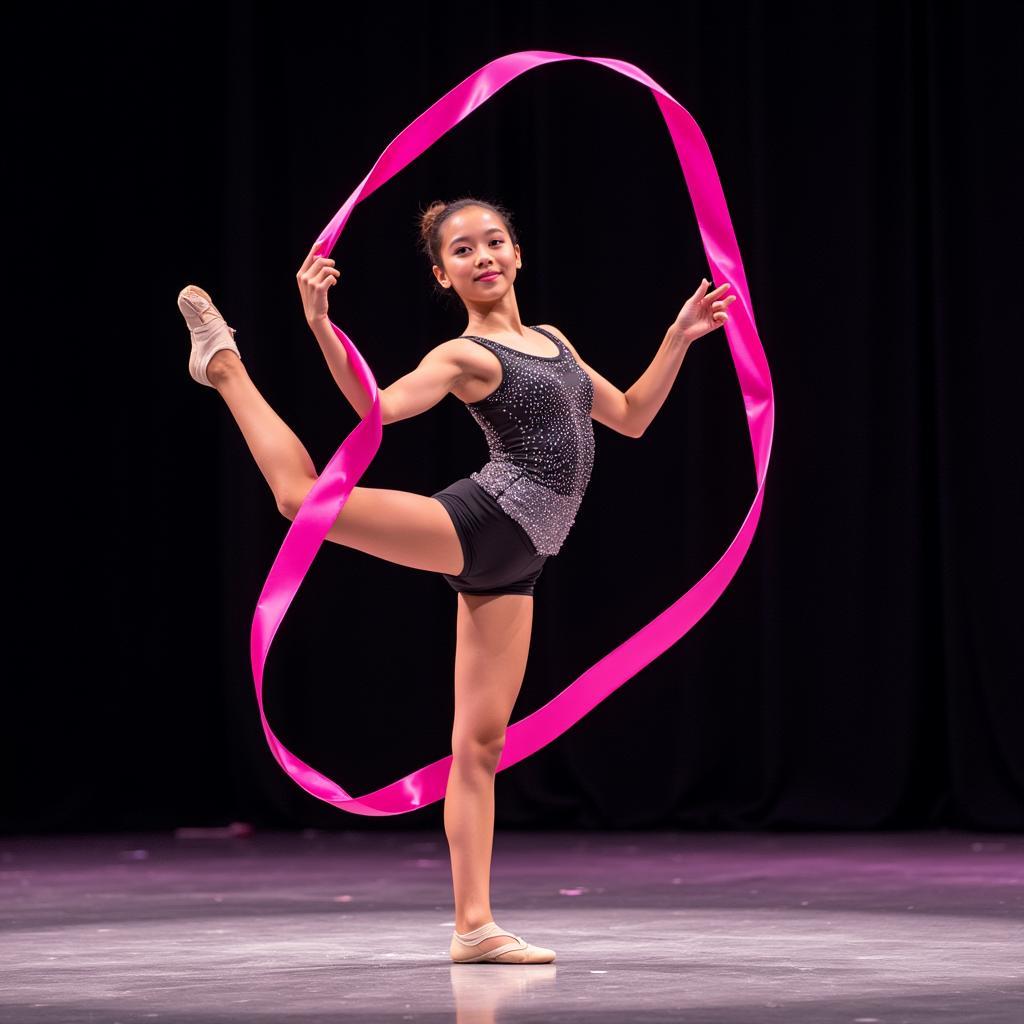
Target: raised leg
column 492, row 647
column 281, row 456
column 399, row 526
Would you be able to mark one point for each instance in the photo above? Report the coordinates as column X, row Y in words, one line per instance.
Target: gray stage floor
column 724, row 927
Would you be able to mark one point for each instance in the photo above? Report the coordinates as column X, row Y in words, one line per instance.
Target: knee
column 474, row 752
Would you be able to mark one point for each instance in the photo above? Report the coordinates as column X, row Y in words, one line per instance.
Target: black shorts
column 499, row 557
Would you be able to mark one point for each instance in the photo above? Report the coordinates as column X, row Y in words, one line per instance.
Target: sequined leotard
column 540, row 437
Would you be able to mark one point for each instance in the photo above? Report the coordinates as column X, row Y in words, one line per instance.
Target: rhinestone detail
column 540, row 438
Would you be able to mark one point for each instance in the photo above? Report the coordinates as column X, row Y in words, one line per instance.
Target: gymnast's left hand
column 702, row 312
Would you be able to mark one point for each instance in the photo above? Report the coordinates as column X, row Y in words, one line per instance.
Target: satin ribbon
column 328, row 496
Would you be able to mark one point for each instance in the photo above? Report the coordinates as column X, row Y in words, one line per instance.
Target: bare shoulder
column 454, row 350
column 472, row 359
column 475, row 370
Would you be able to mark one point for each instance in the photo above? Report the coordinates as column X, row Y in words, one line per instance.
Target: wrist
column 680, row 337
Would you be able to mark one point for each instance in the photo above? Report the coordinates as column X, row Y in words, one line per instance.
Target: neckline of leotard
column 531, row 355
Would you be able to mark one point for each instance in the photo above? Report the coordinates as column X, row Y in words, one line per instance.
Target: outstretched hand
column 703, row 311
column 315, row 276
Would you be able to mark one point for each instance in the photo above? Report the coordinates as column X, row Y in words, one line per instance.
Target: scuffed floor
column 856, row 928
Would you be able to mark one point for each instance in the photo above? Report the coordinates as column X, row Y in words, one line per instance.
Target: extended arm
column 704, row 311
column 631, row 412
column 441, row 369
column 648, row 394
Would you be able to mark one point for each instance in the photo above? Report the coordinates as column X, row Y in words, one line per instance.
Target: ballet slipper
column 209, row 331
column 517, row 952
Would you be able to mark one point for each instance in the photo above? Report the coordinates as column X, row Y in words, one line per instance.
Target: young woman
column 488, row 534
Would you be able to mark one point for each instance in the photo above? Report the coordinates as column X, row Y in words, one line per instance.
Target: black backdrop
column 861, row 671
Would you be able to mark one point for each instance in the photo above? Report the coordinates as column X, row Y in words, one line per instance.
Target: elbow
column 633, row 428
column 636, row 426
column 629, row 420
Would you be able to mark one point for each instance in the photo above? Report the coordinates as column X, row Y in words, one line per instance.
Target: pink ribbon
column 328, row 496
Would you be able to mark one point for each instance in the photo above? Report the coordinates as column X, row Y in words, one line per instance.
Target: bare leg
column 492, row 646
column 399, row 526
column 493, row 632
column 281, row 456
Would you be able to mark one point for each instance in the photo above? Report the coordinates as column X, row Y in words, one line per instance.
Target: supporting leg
column 492, row 646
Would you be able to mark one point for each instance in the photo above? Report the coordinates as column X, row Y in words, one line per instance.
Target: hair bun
column 428, row 218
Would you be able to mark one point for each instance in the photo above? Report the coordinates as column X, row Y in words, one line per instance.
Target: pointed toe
column 209, row 331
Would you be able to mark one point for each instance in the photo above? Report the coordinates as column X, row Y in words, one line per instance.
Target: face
column 474, row 242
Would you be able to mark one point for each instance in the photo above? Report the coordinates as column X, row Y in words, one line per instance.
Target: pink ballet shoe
column 209, row 331
column 517, row 952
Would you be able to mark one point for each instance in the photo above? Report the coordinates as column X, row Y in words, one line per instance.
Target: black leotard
column 540, row 437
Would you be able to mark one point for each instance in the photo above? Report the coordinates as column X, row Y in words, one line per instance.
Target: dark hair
column 431, row 220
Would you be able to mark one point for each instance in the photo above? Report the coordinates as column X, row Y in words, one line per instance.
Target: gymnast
column 489, row 534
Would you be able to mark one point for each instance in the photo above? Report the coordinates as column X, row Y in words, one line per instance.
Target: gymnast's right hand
column 315, row 276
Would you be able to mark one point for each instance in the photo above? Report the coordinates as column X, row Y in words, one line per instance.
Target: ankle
column 221, row 366
column 471, row 922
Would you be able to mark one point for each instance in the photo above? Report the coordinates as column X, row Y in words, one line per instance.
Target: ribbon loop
column 346, row 467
